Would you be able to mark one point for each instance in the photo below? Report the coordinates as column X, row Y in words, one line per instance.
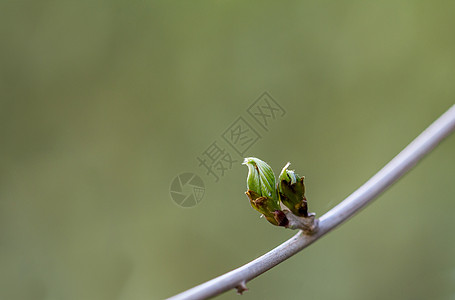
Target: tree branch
column 377, row 184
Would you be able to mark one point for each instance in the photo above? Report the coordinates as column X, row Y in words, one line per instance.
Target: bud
column 261, row 191
column 291, row 191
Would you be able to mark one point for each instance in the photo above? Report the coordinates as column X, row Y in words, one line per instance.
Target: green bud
column 261, row 178
column 262, row 192
column 291, row 191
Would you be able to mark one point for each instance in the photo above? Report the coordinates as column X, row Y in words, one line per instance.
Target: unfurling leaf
column 262, row 192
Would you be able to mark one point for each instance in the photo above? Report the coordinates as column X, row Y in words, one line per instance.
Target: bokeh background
column 103, row 103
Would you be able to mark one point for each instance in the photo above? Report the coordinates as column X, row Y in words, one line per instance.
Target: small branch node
column 241, row 288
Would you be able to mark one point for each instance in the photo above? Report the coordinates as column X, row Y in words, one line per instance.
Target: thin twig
column 396, row 168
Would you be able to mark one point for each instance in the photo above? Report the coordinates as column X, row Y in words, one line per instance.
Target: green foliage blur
column 103, row 103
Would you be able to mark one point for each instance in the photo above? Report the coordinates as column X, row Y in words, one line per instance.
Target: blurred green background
column 103, row 103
